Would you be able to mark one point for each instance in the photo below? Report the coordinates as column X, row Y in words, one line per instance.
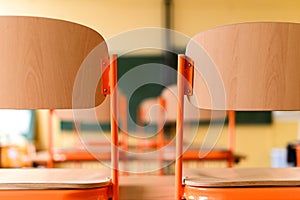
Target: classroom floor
column 147, row 187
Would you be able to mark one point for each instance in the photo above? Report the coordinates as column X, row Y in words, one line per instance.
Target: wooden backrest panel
column 191, row 113
column 149, row 109
column 257, row 64
column 100, row 113
column 40, row 59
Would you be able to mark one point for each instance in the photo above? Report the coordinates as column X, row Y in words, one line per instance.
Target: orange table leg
column 50, row 163
column 124, row 131
column 160, row 136
column 297, row 155
column 231, row 127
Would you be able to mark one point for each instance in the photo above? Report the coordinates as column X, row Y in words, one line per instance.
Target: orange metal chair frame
column 189, row 154
column 113, row 79
column 182, row 90
column 160, row 141
column 228, row 154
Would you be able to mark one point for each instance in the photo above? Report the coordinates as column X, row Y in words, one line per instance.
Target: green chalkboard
column 128, row 62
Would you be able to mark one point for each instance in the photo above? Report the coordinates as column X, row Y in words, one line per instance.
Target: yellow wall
column 110, row 17
column 256, row 141
column 193, row 16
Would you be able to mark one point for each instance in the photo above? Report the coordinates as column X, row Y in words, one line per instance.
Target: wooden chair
column 94, row 147
column 195, row 115
column 151, row 112
column 249, row 66
column 43, row 65
column 82, row 149
column 160, row 110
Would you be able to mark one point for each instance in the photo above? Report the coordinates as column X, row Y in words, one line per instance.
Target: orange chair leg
column 179, row 129
column 114, row 126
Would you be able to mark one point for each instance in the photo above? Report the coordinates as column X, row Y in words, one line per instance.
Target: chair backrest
column 40, row 61
column 257, row 64
column 191, row 113
column 248, row 66
column 149, row 110
column 99, row 114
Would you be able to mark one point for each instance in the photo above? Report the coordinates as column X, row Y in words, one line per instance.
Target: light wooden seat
column 52, row 64
column 243, row 177
column 12, row 179
column 249, row 66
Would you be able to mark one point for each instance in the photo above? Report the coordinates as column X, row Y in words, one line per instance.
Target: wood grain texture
column 242, row 177
column 147, row 187
column 53, row 178
column 253, row 66
column 40, row 62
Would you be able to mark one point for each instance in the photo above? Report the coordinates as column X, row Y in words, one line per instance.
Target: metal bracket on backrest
column 105, row 68
column 188, row 74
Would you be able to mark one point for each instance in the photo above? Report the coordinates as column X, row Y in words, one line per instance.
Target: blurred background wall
column 112, row 17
